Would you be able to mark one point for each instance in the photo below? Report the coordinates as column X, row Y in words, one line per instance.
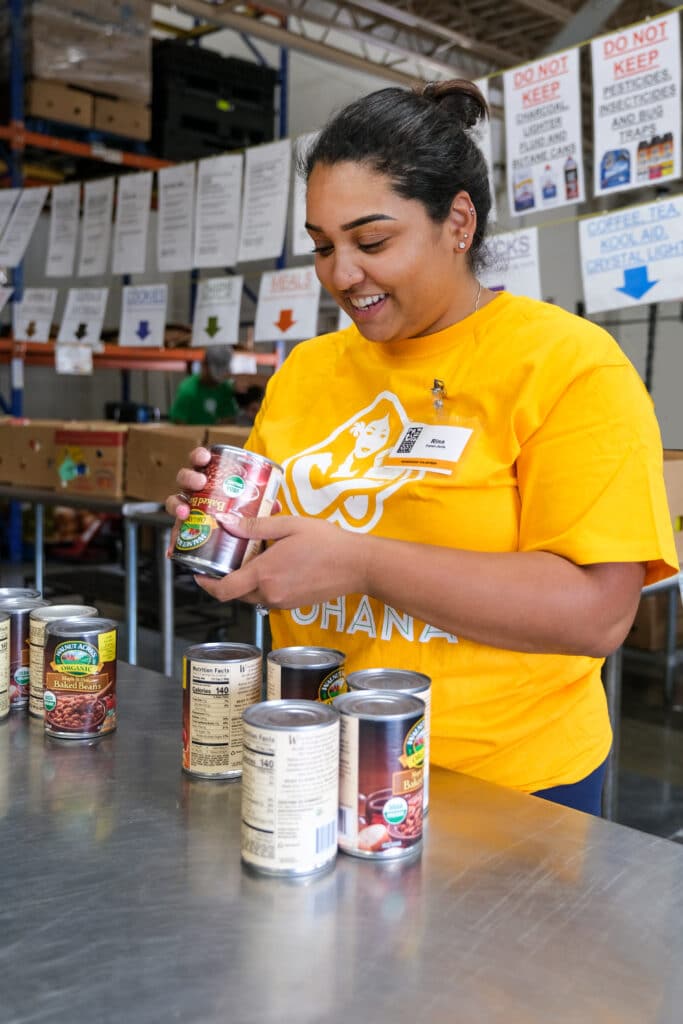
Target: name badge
column 429, row 446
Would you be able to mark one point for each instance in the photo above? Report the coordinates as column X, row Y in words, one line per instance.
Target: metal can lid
column 307, row 657
column 290, row 715
column 20, row 604
column 388, row 679
column 221, row 652
column 63, row 611
column 79, row 625
column 4, row 615
column 378, row 704
column 220, row 448
column 6, row 592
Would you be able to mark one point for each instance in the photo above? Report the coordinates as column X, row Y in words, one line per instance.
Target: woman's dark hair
column 420, row 139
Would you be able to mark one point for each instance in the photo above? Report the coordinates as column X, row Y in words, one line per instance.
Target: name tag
column 429, row 446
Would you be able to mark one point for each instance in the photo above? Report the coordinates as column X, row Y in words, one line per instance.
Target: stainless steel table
column 123, row 899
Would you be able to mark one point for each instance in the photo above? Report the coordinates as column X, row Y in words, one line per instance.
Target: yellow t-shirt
column 565, row 456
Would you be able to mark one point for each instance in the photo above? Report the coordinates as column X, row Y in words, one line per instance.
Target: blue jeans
column 585, row 795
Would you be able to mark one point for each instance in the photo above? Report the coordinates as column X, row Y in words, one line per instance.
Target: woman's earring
column 472, row 210
column 461, row 245
column 465, row 235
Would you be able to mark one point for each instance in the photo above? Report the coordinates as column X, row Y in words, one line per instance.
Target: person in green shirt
column 207, row 397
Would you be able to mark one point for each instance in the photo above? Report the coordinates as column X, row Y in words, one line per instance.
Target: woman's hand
column 309, row 561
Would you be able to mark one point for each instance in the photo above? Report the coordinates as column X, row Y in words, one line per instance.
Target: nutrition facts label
column 218, row 694
column 289, row 798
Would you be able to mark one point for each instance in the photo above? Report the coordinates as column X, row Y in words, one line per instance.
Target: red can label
column 237, row 482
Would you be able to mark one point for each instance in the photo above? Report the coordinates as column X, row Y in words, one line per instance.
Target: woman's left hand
column 309, row 561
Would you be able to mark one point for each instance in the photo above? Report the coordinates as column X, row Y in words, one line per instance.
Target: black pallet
column 192, row 125
column 178, row 67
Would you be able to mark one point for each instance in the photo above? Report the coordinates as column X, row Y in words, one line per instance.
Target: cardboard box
column 229, row 434
column 673, row 479
column 132, row 120
column 28, row 454
column 648, row 631
column 91, row 458
column 59, row 102
column 155, row 453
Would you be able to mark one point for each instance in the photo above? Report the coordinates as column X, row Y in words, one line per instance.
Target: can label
column 18, row 660
column 236, row 482
column 4, row 668
column 381, row 765
column 215, row 693
column 80, row 685
column 286, row 682
column 289, row 798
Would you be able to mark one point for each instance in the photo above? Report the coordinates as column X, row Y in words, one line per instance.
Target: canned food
column 290, row 777
column 4, row 665
column 6, row 592
column 219, row 682
column 80, row 678
column 306, row 673
column 38, row 620
column 381, row 773
column 19, row 609
column 403, row 681
column 239, row 482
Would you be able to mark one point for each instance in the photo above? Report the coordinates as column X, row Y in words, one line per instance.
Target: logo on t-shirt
column 343, row 478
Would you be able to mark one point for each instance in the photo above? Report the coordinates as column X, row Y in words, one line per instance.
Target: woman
column 521, row 506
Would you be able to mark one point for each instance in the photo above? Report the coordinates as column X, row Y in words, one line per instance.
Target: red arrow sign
column 285, row 321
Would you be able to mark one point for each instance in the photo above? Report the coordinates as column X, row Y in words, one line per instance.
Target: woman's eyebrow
column 353, row 223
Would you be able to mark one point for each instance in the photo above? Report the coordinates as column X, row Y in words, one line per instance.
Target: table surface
column 123, row 898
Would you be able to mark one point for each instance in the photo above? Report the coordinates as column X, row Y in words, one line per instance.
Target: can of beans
column 239, row 482
column 219, row 682
column 381, row 773
column 19, row 610
column 80, row 678
column 403, row 681
column 305, row 673
column 6, row 592
column 290, row 785
column 4, row 665
column 38, row 620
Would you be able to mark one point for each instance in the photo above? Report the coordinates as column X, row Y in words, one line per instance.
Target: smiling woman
column 456, row 462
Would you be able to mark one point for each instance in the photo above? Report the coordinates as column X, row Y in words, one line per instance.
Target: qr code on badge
column 409, row 441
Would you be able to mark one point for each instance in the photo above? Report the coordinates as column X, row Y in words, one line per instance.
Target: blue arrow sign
column 143, row 329
column 636, row 282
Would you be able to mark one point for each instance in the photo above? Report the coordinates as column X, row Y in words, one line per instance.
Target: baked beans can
column 290, row 786
column 305, row 673
column 4, row 665
column 19, row 610
column 381, row 773
column 6, row 592
column 220, row 680
column 239, row 482
column 38, row 620
column 80, row 678
column 403, row 681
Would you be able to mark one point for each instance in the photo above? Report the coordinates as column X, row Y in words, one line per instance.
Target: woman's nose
column 347, row 271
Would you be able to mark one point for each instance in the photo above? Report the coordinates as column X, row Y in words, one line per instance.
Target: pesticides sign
column 543, row 134
column 637, row 106
column 633, row 256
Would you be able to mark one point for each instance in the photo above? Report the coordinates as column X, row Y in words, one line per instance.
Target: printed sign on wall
column 513, row 263
column 633, row 256
column 217, row 311
column 143, row 315
column 287, row 306
column 637, row 106
column 543, row 134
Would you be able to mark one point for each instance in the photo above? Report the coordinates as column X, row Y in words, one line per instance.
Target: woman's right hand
column 189, row 479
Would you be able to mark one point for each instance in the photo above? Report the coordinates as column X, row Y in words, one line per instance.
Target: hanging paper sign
column 32, row 317
column 301, row 240
column 98, row 201
column 143, row 315
column 83, row 316
column 21, row 225
column 633, row 256
column 513, row 263
column 217, row 311
column 8, row 197
column 219, row 193
column 133, row 197
column 481, row 134
column 243, row 363
column 74, row 359
column 264, row 204
column 176, row 217
column 63, row 236
column 5, row 294
column 287, row 307
column 637, row 106
column 543, row 134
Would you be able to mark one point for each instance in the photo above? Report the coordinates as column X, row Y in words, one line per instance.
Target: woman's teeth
column 366, row 300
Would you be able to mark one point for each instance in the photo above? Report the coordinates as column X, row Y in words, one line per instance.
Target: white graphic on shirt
column 343, row 478
column 340, row 616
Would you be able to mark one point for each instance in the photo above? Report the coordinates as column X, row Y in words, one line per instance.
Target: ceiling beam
column 548, row 9
column 584, row 24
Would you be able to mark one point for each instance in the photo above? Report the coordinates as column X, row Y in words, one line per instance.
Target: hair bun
column 459, row 97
